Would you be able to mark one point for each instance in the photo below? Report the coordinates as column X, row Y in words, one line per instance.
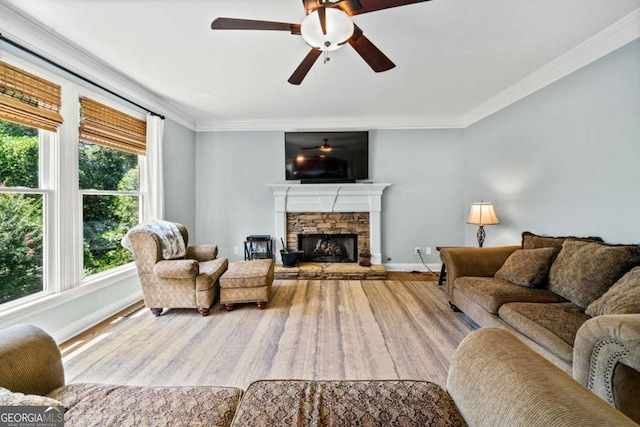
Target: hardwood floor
column 311, row 329
column 105, row 325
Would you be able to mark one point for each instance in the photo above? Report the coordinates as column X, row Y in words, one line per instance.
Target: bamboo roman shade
column 107, row 126
column 28, row 99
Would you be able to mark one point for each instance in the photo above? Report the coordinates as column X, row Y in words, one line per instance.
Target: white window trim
column 63, row 254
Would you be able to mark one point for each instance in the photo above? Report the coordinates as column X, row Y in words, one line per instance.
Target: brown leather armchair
column 191, row 281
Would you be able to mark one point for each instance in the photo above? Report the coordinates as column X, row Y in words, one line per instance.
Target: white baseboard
column 96, row 317
column 435, row 267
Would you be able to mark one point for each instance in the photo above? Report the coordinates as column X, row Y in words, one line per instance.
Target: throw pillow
column 622, row 298
column 9, row 398
column 584, row 271
column 534, row 241
column 527, row 267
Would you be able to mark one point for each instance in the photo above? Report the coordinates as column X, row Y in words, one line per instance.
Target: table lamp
column 482, row 214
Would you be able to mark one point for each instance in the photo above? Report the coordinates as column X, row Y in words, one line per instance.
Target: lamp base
column 480, row 235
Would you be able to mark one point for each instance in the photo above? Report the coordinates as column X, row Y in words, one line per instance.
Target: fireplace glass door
column 328, row 247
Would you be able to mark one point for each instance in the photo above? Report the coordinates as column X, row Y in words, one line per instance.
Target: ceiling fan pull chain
column 326, row 52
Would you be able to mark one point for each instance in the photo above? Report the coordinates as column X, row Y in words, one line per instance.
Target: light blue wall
column 564, row 160
column 423, row 206
column 233, row 200
column 180, row 176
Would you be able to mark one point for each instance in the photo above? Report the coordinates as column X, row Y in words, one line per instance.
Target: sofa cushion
column 583, row 271
column 491, row 292
column 528, row 267
column 102, row 404
column 622, row 298
column 10, row 398
column 553, row 326
column 347, row 403
column 534, row 241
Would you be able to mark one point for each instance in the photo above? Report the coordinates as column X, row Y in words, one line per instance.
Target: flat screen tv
column 326, row 157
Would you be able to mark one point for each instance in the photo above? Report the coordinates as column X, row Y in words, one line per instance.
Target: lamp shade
column 482, row 214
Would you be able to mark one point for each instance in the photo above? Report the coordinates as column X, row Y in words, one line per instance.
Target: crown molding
column 336, row 123
column 606, row 41
column 31, row 34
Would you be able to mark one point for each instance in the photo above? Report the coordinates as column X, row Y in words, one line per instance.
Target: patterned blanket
column 170, row 237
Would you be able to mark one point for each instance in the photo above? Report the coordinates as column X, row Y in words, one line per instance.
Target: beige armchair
column 177, row 283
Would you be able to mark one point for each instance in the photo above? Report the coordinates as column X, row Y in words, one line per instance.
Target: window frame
column 63, row 275
column 142, row 180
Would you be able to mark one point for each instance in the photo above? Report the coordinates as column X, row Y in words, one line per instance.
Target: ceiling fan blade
column 358, row 7
column 322, row 14
column 250, row 24
column 373, row 56
column 304, row 67
column 309, row 5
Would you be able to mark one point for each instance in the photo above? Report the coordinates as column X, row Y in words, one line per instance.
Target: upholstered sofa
column 494, row 380
column 549, row 291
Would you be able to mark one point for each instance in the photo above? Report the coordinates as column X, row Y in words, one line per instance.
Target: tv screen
column 316, row 157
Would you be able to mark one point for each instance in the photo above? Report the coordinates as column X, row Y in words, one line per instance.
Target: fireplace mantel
column 359, row 197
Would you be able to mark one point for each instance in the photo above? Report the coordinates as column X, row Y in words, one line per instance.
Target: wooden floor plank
column 311, row 329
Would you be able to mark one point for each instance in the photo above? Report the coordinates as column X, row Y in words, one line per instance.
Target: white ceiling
column 451, row 56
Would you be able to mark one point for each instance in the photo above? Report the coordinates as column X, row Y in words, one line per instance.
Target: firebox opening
column 328, row 247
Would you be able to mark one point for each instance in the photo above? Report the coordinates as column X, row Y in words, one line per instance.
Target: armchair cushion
column 176, row 269
column 622, row 298
column 528, row 267
column 202, row 252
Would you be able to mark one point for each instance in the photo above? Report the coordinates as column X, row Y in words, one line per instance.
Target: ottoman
column 247, row 281
column 379, row 403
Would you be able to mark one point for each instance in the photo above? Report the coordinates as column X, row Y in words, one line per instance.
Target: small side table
column 258, row 248
column 443, row 269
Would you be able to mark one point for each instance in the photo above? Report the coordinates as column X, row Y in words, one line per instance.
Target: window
column 58, row 178
column 109, row 182
column 22, row 201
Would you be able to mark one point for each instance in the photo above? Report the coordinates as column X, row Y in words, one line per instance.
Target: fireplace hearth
column 328, row 247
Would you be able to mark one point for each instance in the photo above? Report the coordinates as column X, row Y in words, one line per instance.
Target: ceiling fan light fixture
column 340, row 28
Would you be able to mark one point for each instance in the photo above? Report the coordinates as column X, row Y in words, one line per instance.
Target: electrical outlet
column 416, row 251
column 236, row 250
column 427, row 250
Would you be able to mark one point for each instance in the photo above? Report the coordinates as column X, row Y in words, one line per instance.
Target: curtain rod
column 73, row 73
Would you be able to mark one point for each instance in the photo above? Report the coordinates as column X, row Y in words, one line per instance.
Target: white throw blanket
column 170, row 237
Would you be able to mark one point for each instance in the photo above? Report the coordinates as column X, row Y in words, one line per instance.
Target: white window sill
column 14, row 313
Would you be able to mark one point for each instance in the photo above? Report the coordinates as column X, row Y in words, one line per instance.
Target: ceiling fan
column 328, row 26
column 325, row 147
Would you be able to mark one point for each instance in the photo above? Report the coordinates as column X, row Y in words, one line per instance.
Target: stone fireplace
column 335, row 233
column 330, row 209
